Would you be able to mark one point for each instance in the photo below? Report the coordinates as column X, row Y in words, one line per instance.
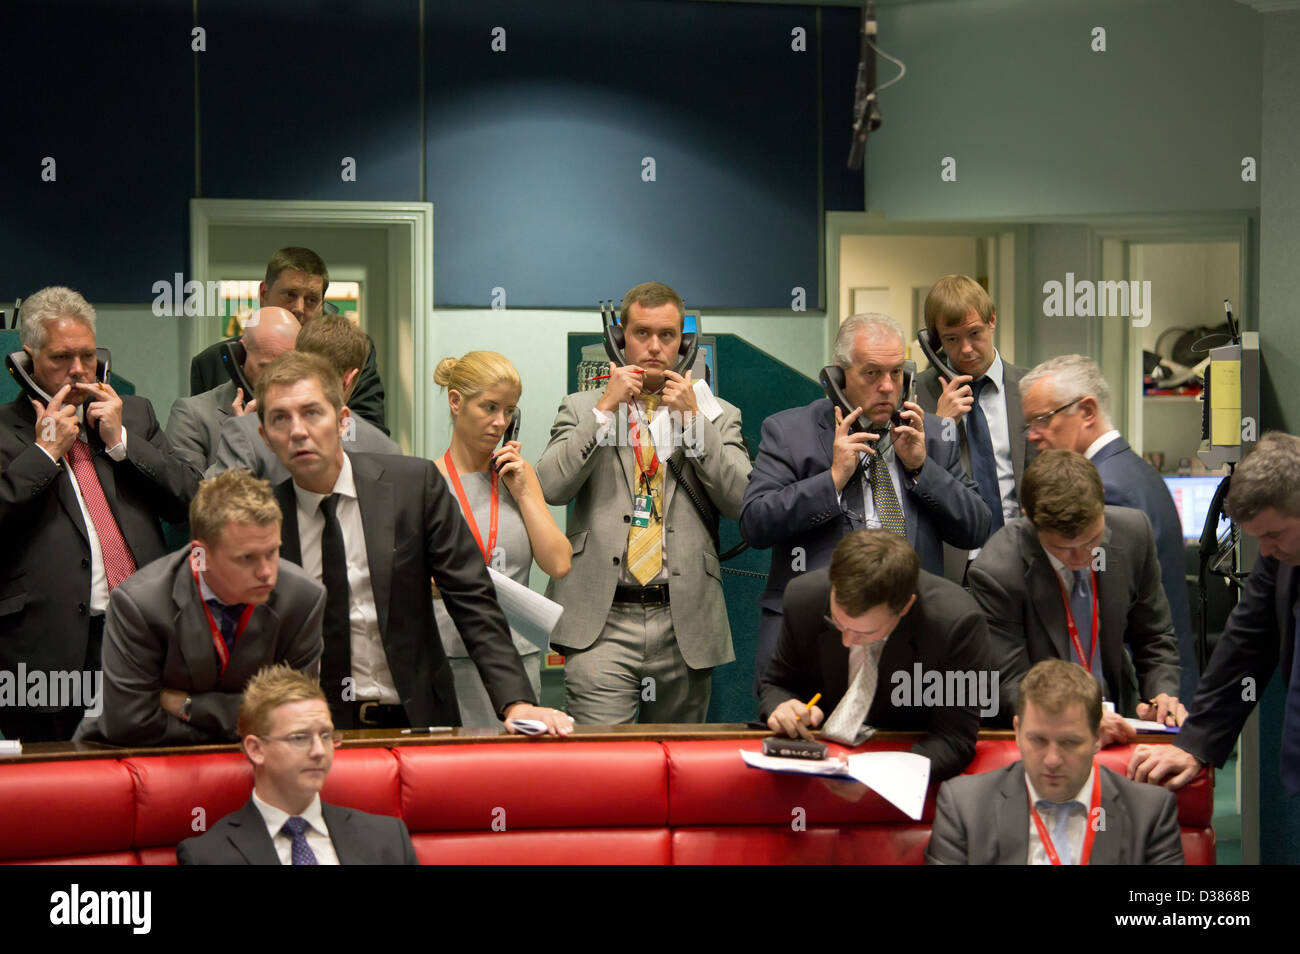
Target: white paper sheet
column 1145, row 725
column 530, row 614
column 900, row 778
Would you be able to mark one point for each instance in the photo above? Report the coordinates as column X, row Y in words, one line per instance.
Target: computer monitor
column 1192, row 497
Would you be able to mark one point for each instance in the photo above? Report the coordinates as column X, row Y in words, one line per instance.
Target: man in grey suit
column 194, row 425
column 286, row 732
column 1066, row 403
column 961, row 318
column 343, row 345
column 185, row 633
column 1075, row 579
column 644, row 618
column 816, row 479
column 1056, row 805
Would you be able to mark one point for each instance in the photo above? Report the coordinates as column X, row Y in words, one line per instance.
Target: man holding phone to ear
column 817, row 478
column 975, row 388
column 86, row 475
column 644, row 619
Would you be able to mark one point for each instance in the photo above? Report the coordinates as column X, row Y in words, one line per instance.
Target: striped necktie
column 645, row 547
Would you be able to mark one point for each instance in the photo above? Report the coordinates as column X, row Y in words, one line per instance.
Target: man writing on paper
column 858, row 631
column 1056, row 805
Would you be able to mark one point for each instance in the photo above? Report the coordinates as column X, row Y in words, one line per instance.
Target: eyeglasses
column 1043, row 419
column 331, row 738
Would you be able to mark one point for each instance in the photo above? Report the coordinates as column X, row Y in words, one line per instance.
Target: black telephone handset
column 19, row 364
column 612, row 334
column 932, row 348
column 233, row 356
column 512, row 428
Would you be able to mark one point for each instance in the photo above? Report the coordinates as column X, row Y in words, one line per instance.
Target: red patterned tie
column 118, row 561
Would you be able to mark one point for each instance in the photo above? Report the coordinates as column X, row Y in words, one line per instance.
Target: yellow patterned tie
column 645, row 548
column 882, row 494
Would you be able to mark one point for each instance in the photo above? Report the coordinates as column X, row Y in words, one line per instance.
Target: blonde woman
column 501, row 500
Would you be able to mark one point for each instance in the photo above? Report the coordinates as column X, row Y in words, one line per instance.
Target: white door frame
column 410, row 232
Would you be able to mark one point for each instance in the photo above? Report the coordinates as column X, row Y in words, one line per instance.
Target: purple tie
column 301, row 853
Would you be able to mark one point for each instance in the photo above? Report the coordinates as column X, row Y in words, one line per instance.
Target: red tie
column 118, row 561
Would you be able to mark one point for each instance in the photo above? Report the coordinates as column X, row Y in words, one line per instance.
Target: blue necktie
column 1060, row 837
column 227, row 618
column 982, row 464
column 1081, row 610
column 300, row 853
column 1291, row 723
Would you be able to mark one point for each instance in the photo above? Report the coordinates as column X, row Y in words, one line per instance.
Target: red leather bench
column 574, row 802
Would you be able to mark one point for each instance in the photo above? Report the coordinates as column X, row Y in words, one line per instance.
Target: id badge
column 641, row 511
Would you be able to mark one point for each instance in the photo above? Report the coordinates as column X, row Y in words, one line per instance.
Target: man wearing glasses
column 863, row 633
column 1066, row 403
column 185, row 633
column 287, row 733
column 1076, row 579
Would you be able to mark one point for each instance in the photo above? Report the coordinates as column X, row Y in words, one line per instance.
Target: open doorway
column 381, row 254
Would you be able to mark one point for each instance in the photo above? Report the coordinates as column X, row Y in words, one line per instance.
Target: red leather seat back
column 533, row 785
column 708, row 784
column 180, row 796
column 902, row 844
column 73, row 808
column 599, row 846
column 364, row 779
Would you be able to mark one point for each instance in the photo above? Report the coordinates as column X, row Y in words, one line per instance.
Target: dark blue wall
column 533, row 159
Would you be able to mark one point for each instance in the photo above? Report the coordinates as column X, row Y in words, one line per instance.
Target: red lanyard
column 223, row 653
column 636, row 446
column 1090, row 833
column 1074, row 631
column 469, row 513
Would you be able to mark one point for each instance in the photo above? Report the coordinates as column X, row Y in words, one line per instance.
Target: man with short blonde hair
column 286, row 732
column 187, row 631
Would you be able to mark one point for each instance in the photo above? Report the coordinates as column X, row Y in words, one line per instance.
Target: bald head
column 269, row 333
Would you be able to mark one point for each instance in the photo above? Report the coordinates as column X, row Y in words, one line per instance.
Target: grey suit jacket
column 242, row 446
column 194, row 425
column 600, row 480
column 928, row 390
column 1014, row 583
column 984, row 820
column 156, row 636
column 359, row 838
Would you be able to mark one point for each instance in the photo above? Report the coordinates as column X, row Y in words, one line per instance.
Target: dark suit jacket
column 45, row 576
column 791, row 500
column 1260, row 632
column 207, row 371
column 156, row 636
column 928, row 390
column 414, row 530
column 943, row 631
column 1014, row 583
column 359, row 838
column 1130, row 481
column 984, row 820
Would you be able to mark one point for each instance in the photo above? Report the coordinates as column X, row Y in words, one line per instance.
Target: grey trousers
column 634, row 672
column 472, row 697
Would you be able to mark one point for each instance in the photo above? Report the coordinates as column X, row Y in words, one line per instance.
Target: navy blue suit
column 1129, row 481
column 791, row 504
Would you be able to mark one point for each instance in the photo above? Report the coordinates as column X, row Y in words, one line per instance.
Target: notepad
column 1146, row 725
column 900, row 778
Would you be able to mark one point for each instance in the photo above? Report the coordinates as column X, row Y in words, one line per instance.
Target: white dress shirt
column 373, row 680
column 98, row 577
column 1100, row 442
column 318, row 836
column 1075, row 829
